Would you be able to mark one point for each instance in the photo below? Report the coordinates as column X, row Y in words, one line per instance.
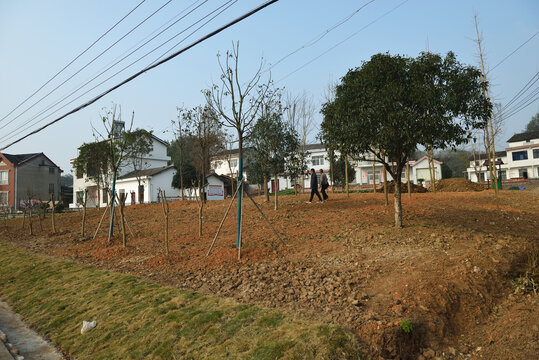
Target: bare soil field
column 451, row 270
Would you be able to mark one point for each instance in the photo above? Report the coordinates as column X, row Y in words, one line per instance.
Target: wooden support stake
column 224, row 218
column 164, row 205
column 265, row 218
column 100, row 221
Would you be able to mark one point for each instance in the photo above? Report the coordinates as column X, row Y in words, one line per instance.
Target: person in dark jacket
column 324, row 184
column 314, row 187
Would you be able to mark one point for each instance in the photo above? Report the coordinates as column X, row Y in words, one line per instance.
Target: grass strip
column 139, row 319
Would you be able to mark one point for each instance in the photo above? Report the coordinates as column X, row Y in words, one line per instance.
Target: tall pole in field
column 238, row 217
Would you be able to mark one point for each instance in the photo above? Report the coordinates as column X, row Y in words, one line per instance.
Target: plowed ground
column 449, row 270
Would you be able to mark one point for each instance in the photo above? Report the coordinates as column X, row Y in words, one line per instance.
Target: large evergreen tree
column 392, row 104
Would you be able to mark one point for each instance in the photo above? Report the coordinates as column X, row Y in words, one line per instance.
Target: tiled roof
column 524, row 136
column 146, row 172
column 19, row 158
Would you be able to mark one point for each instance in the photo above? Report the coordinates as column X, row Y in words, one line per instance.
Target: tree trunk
column 200, row 218
column 432, row 169
column 408, row 177
column 122, row 219
column 398, row 203
column 39, row 216
column 385, row 186
column 266, row 192
column 164, row 205
column 84, row 211
column 140, row 193
column 53, row 219
column 331, row 154
column 276, row 191
column 373, row 174
column 30, row 218
column 346, row 175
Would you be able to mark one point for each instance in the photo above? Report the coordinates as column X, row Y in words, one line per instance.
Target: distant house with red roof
column 24, row 176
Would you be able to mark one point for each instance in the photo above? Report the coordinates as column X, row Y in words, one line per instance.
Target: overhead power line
column 88, row 64
column 321, row 35
column 346, row 39
column 72, row 61
column 134, row 76
column 222, row 8
column 514, row 51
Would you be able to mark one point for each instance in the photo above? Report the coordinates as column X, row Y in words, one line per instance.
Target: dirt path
column 30, row 345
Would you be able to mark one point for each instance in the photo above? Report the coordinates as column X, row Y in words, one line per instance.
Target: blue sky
column 38, row 38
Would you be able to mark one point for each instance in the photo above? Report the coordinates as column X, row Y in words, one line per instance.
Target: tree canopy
column 392, row 104
column 533, row 124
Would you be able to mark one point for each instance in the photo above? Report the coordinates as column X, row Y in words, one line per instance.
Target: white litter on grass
column 87, row 326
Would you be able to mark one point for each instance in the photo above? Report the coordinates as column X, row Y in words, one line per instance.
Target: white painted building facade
column 155, row 174
column 520, row 160
column 318, row 159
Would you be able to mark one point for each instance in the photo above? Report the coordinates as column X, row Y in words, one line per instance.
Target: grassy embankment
column 139, row 319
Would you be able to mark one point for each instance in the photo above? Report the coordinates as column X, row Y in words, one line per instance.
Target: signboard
column 215, row 190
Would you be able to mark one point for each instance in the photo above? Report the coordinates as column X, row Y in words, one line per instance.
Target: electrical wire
column 75, row 59
column 321, row 35
column 85, row 66
column 341, row 42
column 134, row 76
column 230, row 3
column 514, row 51
column 71, row 93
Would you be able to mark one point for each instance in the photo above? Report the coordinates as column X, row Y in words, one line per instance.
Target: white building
column 155, row 174
column 520, row 160
column 317, row 159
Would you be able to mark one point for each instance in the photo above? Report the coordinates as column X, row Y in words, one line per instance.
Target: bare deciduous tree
column 237, row 103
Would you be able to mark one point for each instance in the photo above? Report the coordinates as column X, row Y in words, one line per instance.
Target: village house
column 519, row 161
column 155, row 174
column 26, row 177
column 317, row 159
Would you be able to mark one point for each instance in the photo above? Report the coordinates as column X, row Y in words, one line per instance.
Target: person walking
column 314, row 187
column 324, row 184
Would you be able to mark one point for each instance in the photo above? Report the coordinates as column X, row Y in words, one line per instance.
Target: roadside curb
column 8, row 350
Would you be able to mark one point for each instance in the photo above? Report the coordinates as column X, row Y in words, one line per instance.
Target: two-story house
column 317, row 159
column 155, row 174
column 27, row 177
column 520, row 160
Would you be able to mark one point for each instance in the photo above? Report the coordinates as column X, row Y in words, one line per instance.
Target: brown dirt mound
column 404, row 188
column 457, row 185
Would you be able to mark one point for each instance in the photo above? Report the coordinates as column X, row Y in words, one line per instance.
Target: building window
column 3, row 198
column 317, row 160
column 80, row 195
column 51, row 170
column 503, row 175
column 536, row 153
column 520, row 155
column 79, row 173
column 233, row 163
column 523, row 173
column 376, row 176
column 51, row 188
column 4, row 177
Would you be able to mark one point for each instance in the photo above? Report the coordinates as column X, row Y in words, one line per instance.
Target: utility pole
column 490, row 138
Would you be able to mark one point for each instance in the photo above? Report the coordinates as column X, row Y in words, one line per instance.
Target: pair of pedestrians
column 324, row 184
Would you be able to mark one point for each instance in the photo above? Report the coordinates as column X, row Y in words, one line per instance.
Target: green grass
column 142, row 320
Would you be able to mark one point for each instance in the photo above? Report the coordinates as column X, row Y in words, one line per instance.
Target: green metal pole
column 111, row 226
column 238, row 217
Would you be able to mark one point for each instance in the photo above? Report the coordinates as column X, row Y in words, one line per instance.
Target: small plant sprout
column 406, row 326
